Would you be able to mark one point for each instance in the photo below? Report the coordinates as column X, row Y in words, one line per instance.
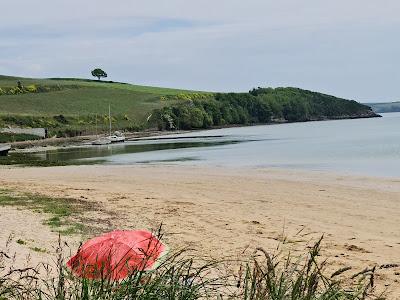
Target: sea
column 368, row 147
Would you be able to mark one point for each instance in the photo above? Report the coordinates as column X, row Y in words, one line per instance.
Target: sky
column 348, row 48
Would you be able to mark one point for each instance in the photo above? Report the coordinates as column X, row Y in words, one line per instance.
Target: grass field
column 80, row 102
column 88, row 98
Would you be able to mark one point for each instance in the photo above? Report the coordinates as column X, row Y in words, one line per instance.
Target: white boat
column 117, row 137
column 4, row 150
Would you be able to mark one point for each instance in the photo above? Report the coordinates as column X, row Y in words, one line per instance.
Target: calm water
column 362, row 146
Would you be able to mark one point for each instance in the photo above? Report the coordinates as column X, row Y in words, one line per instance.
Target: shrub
column 31, row 88
column 11, row 137
column 61, row 119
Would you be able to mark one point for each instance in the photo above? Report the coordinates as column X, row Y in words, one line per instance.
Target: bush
column 68, row 132
column 61, row 119
column 11, row 137
column 31, row 88
column 19, row 89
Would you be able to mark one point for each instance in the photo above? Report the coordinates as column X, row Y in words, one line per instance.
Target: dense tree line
column 261, row 105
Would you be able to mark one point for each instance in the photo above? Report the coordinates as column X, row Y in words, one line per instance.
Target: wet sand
column 222, row 211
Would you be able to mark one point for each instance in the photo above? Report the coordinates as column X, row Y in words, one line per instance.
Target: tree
column 99, row 73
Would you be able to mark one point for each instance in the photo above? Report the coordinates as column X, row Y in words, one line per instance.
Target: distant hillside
column 69, row 107
column 262, row 105
column 385, row 107
column 72, row 97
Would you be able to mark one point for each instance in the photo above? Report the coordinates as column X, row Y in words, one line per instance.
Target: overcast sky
column 349, row 48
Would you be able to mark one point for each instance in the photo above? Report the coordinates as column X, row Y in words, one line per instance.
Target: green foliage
column 187, row 97
column 61, row 119
column 29, row 121
column 17, row 137
column 262, row 105
column 33, row 88
column 99, row 73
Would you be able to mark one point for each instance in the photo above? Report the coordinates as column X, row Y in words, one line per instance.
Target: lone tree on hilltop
column 99, row 73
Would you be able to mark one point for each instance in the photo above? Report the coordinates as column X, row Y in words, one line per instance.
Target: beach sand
column 223, row 211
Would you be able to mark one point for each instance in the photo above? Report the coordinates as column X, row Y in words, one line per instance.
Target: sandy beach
column 222, row 211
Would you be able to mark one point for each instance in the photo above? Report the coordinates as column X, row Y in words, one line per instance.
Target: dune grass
column 302, row 278
column 183, row 275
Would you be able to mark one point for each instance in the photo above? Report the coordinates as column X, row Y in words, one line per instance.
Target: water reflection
column 93, row 152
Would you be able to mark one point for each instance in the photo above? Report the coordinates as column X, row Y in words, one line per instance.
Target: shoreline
column 244, row 208
column 62, row 142
column 66, row 142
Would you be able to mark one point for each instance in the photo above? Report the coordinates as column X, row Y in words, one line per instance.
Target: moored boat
column 117, row 137
column 4, row 150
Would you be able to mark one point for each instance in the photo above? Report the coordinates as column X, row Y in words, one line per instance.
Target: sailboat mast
column 109, row 115
column 97, row 135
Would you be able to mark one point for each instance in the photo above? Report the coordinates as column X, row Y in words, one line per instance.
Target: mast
column 97, row 135
column 109, row 115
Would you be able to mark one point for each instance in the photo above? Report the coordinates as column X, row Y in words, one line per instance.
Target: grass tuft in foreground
column 182, row 276
column 290, row 277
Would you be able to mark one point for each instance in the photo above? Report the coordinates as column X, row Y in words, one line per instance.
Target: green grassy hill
column 82, row 97
column 70, row 107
